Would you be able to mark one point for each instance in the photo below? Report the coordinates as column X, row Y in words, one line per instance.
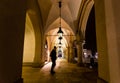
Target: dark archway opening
column 90, row 40
column 90, row 33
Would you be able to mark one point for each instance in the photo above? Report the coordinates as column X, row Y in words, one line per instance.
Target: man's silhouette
column 53, row 59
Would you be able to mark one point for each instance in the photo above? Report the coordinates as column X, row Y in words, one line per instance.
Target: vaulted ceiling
column 50, row 14
column 45, row 16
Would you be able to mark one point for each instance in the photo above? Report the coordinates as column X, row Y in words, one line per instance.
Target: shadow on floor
column 65, row 73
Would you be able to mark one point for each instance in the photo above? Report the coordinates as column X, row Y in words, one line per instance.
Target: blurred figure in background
column 53, row 59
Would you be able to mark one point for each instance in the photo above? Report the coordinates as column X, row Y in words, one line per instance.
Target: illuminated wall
column 29, row 42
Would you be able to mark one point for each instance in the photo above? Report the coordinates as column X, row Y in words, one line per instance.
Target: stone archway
column 36, row 44
column 29, row 42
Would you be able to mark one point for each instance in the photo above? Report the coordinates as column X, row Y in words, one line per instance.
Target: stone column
column 71, row 49
column 12, row 29
column 102, row 45
column 79, row 53
column 39, row 51
column 38, row 31
column 71, row 58
column 68, row 56
column 108, row 39
column 79, row 37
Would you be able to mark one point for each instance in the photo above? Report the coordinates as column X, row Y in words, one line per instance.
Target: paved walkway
column 65, row 73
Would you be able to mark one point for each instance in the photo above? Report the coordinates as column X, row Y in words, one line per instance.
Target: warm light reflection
column 48, row 52
column 48, row 65
column 29, row 42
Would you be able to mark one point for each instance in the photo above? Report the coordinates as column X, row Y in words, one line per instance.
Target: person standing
column 53, row 59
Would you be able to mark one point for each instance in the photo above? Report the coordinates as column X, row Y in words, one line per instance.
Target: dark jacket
column 53, row 54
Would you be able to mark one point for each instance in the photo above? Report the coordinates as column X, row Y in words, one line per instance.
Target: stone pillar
column 38, row 31
column 71, row 58
column 79, row 53
column 39, row 50
column 12, row 29
column 103, row 65
column 79, row 37
column 112, row 18
column 68, row 56
column 71, row 49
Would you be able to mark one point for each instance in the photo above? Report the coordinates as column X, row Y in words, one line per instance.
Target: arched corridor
column 29, row 29
column 65, row 73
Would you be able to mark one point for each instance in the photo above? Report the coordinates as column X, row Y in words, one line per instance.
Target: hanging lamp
column 60, row 32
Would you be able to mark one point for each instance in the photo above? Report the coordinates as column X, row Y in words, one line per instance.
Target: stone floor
column 65, row 73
